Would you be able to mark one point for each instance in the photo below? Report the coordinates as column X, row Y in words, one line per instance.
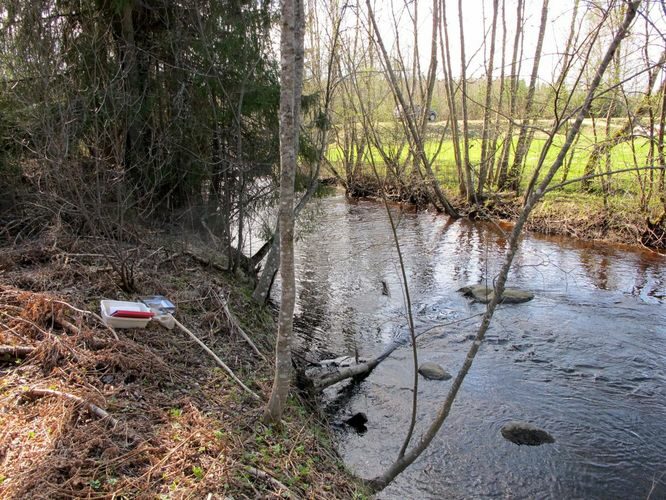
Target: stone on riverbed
column 484, row 294
column 357, row 422
column 433, row 371
column 526, row 433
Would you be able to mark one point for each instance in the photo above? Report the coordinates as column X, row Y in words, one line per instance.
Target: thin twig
column 217, row 359
column 90, row 313
column 35, row 393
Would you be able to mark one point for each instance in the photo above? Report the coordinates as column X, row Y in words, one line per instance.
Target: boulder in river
column 526, row 433
column 433, row 371
column 358, row 421
column 484, row 294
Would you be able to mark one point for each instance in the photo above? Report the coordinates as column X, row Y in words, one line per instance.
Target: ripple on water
column 585, row 360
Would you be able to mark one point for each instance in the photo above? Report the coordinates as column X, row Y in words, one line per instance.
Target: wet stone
column 483, row 294
column 525, row 433
column 357, row 422
column 433, row 371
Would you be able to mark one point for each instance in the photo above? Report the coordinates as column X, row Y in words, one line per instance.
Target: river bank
column 584, row 216
column 177, row 426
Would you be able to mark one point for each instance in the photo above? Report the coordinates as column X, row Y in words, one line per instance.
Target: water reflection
column 585, row 359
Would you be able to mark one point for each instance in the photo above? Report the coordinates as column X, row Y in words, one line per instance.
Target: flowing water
column 585, row 360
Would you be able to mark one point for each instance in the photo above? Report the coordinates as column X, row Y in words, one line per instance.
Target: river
column 585, row 360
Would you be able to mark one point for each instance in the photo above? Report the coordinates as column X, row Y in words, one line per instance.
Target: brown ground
column 178, row 426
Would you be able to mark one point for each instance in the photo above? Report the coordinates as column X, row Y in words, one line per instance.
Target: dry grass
column 178, row 428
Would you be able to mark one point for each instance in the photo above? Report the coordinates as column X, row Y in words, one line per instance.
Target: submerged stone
column 433, row 371
column 357, row 422
column 484, row 294
column 525, row 433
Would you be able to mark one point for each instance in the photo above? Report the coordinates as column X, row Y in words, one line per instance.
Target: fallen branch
column 91, row 407
column 363, row 369
column 235, row 326
column 217, row 359
column 281, row 488
column 15, row 351
column 89, row 313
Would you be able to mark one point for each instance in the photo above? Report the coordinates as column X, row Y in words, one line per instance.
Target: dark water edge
column 584, row 360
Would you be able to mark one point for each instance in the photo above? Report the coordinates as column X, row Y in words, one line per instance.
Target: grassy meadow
column 623, row 156
column 620, row 212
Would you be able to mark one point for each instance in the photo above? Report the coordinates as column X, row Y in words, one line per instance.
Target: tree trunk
column 451, row 98
column 467, row 166
column 513, row 99
column 290, row 45
column 523, row 142
column 493, row 160
column 486, row 154
column 559, row 87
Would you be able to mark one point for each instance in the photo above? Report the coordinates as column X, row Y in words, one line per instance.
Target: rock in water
column 358, row 421
column 433, row 371
column 484, row 294
column 526, row 433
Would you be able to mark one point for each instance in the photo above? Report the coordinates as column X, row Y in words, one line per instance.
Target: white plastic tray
column 108, row 307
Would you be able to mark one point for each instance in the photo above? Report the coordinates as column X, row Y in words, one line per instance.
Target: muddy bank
column 148, row 414
column 581, row 216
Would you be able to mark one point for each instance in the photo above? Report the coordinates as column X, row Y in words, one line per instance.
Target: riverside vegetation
column 144, row 145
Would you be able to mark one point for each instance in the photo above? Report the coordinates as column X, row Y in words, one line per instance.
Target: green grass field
column 623, row 156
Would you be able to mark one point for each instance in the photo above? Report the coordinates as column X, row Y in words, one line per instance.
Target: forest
column 197, row 150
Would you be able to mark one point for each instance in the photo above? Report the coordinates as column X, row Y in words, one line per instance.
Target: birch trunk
column 523, row 142
column 290, row 45
column 486, row 154
column 513, row 89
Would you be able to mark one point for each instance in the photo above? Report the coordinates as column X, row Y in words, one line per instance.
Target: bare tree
column 523, row 139
column 416, row 139
column 291, row 55
column 486, row 153
column 513, row 99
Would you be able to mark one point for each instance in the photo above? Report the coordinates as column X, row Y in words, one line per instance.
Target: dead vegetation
column 86, row 415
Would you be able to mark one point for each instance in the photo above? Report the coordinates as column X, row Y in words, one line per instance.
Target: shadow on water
column 584, row 360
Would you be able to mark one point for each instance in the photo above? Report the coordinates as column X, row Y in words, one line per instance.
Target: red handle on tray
column 122, row 313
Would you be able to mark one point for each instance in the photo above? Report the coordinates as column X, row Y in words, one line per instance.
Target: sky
column 477, row 18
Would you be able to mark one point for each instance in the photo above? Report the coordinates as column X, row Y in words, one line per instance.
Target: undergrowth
column 178, row 427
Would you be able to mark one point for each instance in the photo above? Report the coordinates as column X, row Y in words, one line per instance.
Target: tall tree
column 523, row 137
column 467, row 165
column 291, row 76
column 486, row 154
column 513, row 99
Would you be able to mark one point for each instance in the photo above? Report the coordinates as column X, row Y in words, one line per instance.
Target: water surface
column 584, row 360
